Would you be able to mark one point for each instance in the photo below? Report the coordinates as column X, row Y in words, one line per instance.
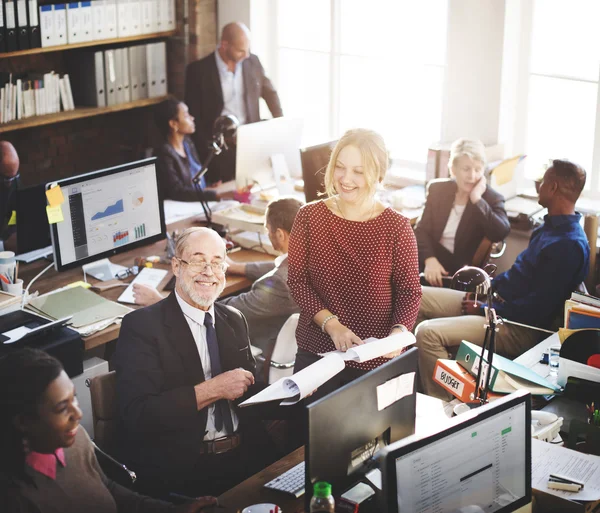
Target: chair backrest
column 103, row 392
column 314, row 161
column 284, row 352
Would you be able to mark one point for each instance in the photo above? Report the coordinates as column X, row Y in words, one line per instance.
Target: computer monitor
column 314, row 163
column 33, row 231
column 262, row 147
column 481, row 463
column 106, row 212
column 347, row 427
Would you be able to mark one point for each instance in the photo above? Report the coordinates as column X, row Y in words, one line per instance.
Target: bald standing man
column 9, row 183
column 229, row 81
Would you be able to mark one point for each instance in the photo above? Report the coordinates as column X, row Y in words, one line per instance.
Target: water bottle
column 322, row 500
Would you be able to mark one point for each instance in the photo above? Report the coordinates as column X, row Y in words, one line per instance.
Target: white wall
column 232, row 10
column 474, row 70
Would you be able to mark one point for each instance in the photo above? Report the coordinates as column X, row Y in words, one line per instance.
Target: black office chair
column 314, row 162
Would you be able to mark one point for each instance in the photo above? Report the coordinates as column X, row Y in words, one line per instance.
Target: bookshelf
column 78, row 113
column 101, row 42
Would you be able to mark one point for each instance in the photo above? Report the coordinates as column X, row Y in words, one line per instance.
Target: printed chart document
column 548, row 458
column 295, row 388
column 149, row 277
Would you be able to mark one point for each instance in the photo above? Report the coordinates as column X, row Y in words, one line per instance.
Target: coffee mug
column 16, row 289
column 7, row 263
column 262, row 508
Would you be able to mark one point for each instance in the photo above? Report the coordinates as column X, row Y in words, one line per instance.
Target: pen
column 566, row 479
column 569, row 487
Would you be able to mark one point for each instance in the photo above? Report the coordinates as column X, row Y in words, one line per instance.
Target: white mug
column 262, row 508
column 16, row 289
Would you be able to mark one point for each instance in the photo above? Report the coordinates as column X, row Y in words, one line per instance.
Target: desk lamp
column 224, row 128
column 478, row 281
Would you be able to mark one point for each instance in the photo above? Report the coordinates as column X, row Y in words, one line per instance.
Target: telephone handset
column 545, row 426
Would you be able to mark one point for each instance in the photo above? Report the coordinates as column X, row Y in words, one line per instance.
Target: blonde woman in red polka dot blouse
column 353, row 263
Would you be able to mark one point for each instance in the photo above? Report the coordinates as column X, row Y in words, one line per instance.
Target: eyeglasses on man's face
column 200, row 266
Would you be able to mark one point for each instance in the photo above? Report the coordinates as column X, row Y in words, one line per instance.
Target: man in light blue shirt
column 232, row 81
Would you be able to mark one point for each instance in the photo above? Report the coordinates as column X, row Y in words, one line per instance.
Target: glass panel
column 566, row 39
column 304, row 90
column 560, row 124
column 304, row 24
column 400, row 30
column 406, row 109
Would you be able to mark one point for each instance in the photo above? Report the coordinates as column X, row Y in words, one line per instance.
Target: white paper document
column 149, row 277
column 548, row 458
column 179, row 210
column 374, row 348
column 295, row 388
column 395, row 389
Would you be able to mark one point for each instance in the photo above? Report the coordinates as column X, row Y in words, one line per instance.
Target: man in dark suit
column 229, row 81
column 182, row 365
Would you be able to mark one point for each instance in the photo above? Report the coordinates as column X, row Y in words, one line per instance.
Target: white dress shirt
column 195, row 319
column 449, row 234
column 232, row 86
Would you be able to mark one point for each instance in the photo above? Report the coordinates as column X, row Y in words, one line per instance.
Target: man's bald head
column 235, row 43
column 9, row 160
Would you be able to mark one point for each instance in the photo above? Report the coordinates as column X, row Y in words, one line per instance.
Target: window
column 563, row 108
column 377, row 64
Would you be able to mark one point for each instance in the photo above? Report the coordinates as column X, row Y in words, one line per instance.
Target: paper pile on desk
column 295, row 388
column 87, row 308
column 180, row 210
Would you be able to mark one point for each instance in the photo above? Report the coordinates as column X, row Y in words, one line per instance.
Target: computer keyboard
column 34, row 255
column 291, row 482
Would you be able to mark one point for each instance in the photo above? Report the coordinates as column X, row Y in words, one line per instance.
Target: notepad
column 149, row 277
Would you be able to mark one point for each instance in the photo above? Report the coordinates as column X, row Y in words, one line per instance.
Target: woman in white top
column 459, row 212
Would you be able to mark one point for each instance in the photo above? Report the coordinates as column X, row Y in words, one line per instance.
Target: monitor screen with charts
column 481, row 463
column 106, row 212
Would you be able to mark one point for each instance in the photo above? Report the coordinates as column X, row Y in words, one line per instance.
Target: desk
column 431, row 415
column 52, row 279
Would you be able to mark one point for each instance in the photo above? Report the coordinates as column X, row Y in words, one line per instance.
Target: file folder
column 87, row 69
column 11, row 26
column 156, row 64
column 110, row 77
column 87, row 25
column 35, row 36
column 161, row 15
column 123, row 18
column 60, row 24
column 2, row 28
column 170, row 14
column 99, row 20
column 22, row 25
column 125, row 93
column 110, row 20
column 47, row 25
column 135, row 27
column 142, row 70
column 147, row 18
column 74, row 23
column 134, row 85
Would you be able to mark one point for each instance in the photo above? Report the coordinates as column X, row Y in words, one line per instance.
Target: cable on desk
column 26, row 293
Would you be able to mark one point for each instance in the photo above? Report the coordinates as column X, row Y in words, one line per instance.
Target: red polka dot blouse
column 366, row 273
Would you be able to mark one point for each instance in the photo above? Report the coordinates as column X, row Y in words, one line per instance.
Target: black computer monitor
column 347, row 427
column 482, row 460
column 33, row 231
column 106, row 212
column 314, row 163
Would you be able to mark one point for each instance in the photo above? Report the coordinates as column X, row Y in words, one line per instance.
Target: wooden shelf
column 101, row 42
column 78, row 113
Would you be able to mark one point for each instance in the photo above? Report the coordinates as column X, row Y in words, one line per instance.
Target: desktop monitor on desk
column 481, row 463
column 347, row 427
column 107, row 212
column 33, row 231
column 266, row 152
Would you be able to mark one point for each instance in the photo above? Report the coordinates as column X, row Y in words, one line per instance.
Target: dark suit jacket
column 204, row 96
column 174, row 174
column 487, row 218
column 158, row 365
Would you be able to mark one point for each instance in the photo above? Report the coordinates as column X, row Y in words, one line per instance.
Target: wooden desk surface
column 251, row 491
column 52, row 279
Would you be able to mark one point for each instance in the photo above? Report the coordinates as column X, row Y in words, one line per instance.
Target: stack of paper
column 86, row 307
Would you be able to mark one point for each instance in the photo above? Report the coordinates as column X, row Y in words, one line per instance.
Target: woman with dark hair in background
column 47, row 460
column 178, row 160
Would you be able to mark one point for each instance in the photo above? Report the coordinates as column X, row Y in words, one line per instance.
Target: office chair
column 314, row 162
column 282, row 360
column 103, row 393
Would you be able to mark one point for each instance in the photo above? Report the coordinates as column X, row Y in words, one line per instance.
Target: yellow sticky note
column 55, row 214
column 13, row 218
column 79, row 284
column 55, row 196
column 506, row 169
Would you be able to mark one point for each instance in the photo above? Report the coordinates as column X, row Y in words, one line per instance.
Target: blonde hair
column 374, row 155
column 473, row 148
column 181, row 243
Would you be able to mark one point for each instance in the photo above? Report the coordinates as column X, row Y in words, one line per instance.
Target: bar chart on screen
column 140, row 231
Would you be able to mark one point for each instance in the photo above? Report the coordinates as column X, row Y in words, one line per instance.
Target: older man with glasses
column 182, row 366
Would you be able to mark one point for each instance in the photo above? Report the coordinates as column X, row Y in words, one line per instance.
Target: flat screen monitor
column 33, row 231
column 347, row 427
column 106, row 212
column 314, row 163
column 261, row 146
column 481, row 463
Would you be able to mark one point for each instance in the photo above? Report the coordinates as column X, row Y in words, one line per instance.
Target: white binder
column 87, row 25
column 47, row 25
column 156, row 63
column 161, row 60
column 170, row 15
column 123, row 18
column 126, row 92
column 142, row 69
column 110, row 20
column 135, row 26
column 98, row 20
column 60, row 24
column 118, row 73
column 162, row 14
column 99, row 79
column 134, row 81
column 110, row 77
column 147, row 18
column 74, row 23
